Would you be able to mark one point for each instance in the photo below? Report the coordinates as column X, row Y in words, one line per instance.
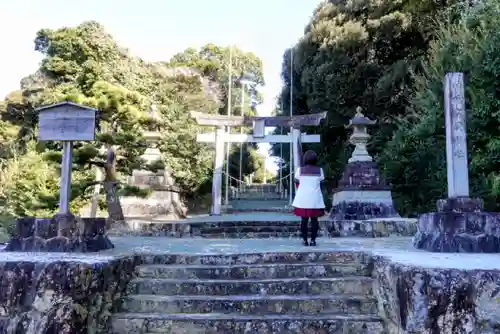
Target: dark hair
column 310, row 158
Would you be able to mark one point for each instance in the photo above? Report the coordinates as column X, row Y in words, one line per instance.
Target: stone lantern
column 362, row 192
column 153, row 136
column 359, row 137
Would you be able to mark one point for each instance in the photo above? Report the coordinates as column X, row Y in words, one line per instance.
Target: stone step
column 250, row 229
column 288, row 286
column 212, row 323
column 332, row 257
column 261, row 271
column 260, row 209
column 251, row 304
column 259, row 195
column 287, row 222
column 255, row 235
column 264, row 203
column 258, row 206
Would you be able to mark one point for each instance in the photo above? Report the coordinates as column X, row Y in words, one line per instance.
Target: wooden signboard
column 66, row 121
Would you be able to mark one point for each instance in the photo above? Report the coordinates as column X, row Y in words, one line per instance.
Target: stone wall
column 46, row 296
column 437, row 301
column 163, row 200
column 33, row 234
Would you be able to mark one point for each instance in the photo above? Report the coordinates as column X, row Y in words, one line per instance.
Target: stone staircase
column 258, row 205
column 249, row 229
column 311, row 293
column 258, row 198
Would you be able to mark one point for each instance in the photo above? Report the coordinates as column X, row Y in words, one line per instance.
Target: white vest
column 308, row 195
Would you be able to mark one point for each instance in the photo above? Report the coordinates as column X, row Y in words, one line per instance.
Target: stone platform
column 263, row 225
column 358, row 285
column 237, row 225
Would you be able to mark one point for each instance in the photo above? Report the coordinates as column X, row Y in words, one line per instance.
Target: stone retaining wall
column 437, row 301
column 61, row 297
column 48, row 296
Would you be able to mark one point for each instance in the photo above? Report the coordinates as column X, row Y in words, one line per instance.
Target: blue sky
column 155, row 30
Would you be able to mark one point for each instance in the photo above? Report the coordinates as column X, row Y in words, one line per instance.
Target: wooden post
column 66, row 167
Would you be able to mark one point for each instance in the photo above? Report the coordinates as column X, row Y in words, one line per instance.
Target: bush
column 24, row 183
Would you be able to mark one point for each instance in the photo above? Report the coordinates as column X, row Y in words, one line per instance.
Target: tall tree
column 414, row 159
column 359, row 53
column 213, row 62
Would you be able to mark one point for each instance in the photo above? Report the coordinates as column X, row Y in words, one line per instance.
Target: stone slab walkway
column 397, row 249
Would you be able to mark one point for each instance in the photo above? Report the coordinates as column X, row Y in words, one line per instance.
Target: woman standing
column 308, row 202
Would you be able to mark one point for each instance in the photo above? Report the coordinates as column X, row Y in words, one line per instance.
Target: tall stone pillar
column 362, row 193
column 460, row 224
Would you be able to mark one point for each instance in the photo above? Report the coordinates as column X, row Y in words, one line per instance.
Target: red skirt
column 309, row 213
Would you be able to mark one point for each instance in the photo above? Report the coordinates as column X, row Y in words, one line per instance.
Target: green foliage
column 414, row 159
column 25, row 184
column 84, row 64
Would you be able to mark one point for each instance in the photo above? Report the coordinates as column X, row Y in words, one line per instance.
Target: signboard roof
column 66, row 121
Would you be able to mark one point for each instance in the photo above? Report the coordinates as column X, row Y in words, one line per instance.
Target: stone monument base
column 61, row 233
column 459, row 225
column 162, row 204
column 362, row 205
column 373, row 228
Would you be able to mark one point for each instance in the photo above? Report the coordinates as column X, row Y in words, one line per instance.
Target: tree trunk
column 97, row 191
column 115, row 211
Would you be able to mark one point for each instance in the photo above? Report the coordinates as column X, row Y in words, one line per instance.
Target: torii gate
column 220, row 138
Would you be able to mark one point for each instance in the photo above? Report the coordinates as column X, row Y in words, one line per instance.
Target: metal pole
column 241, row 127
column 66, row 167
column 281, row 153
column 291, row 114
column 229, row 102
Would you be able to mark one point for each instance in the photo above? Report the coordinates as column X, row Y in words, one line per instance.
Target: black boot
column 314, row 230
column 303, row 230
